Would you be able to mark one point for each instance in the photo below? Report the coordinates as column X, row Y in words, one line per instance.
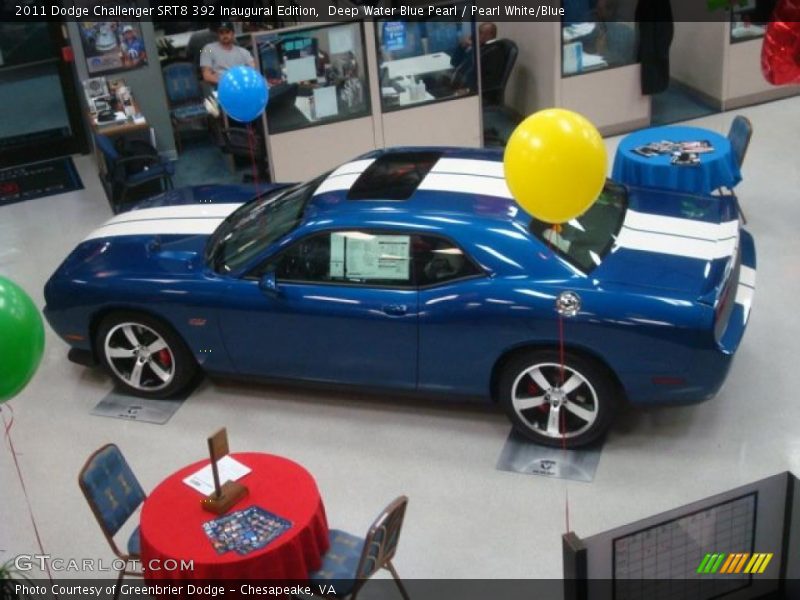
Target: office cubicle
column 320, row 111
column 340, row 90
column 428, row 80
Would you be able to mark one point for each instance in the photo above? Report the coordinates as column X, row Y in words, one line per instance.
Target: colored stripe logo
column 731, row 564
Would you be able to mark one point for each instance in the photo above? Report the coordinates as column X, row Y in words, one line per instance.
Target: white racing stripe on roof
column 344, row 177
column 681, row 227
column 469, row 166
column 157, row 227
column 342, row 182
column 677, row 246
column 355, row 166
column 466, row 184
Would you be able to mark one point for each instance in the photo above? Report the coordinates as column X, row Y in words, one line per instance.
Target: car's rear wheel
column 572, row 406
column 144, row 356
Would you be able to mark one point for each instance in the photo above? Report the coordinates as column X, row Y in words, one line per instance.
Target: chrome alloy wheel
column 139, row 356
column 551, row 408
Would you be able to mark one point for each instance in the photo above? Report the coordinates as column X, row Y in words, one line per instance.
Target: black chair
column 114, row 494
column 351, row 561
column 497, row 61
column 125, row 174
column 197, row 41
column 185, row 96
column 247, row 145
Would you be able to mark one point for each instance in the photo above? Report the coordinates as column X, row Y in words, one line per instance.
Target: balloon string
column 555, row 231
column 251, row 142
column 561, row 360
column 8, row 425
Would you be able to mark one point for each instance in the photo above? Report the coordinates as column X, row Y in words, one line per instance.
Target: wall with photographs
column 143, row 78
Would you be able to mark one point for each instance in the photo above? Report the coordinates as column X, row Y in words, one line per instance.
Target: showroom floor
column 465, row 518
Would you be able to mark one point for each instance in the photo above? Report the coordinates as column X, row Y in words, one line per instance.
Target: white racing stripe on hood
column 200, row 219
column 678, row 237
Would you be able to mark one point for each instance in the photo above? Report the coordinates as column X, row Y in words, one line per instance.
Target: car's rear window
column 394, row 176
column 585, row 240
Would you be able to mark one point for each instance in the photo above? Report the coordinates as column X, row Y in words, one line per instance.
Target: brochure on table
column 230, row 469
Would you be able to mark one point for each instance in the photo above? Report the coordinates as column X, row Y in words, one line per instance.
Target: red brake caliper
column 164, row 357
column 535, row 390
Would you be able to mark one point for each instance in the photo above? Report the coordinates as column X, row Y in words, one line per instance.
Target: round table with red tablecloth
column 172, row 525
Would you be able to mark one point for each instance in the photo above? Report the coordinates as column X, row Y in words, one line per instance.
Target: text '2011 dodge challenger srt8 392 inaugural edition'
column 414, row 269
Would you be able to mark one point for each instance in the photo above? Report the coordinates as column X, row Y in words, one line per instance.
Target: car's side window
column 351, row 257
column 438, row 260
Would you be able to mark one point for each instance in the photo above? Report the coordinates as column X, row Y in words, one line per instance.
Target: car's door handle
column 395, row 309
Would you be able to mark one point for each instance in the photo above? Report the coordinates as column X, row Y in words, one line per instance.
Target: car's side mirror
column 269, row 284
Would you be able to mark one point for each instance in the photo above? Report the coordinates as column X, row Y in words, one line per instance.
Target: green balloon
column 21, row 339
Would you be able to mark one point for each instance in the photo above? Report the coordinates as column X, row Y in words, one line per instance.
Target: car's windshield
column 585, row 240
column 250, row 229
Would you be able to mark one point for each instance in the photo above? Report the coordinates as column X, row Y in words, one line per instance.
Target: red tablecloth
column 172, row 524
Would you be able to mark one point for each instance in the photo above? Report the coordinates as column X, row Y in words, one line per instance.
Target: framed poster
column 112, row 46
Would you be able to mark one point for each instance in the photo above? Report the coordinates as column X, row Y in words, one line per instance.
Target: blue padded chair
column 114, row 494
column 351, row 560
column 186, row 101
column 126, row 173
column 739, row 136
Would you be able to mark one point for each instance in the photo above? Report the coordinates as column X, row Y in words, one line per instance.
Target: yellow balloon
column 555, row 165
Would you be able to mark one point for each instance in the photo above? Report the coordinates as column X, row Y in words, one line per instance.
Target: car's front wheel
column 144, row 356
column 570, row 405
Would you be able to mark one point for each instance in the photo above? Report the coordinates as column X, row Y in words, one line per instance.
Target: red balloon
column 780, row 54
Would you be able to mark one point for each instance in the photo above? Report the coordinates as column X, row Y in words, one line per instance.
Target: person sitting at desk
column 463, row 58
column 217, row 57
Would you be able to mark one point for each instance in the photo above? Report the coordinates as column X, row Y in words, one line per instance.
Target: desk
column 121, row 126
column 417, row 65
column 172, row 524
column 716, row 169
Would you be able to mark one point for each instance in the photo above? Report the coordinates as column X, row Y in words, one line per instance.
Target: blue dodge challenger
column 414, row 269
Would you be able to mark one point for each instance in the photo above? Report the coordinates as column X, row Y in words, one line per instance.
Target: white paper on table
column 325, row 102
column 229, row 469
column 340, row 39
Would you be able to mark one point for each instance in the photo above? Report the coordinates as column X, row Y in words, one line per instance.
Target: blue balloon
column 243, row 93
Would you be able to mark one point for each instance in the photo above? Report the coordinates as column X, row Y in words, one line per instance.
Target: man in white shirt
column 217, row 57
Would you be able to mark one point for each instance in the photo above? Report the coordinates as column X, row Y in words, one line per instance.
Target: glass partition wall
column 316, row 75
column 426, row 60
column 596, row 35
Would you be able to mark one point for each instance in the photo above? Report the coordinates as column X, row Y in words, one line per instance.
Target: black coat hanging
column 654, row 19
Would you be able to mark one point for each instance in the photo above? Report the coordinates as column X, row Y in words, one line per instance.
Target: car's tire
column 144, row 355
column 545, row 412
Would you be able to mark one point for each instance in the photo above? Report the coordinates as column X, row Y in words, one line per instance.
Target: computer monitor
column 270, row 61
column 298, row 47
